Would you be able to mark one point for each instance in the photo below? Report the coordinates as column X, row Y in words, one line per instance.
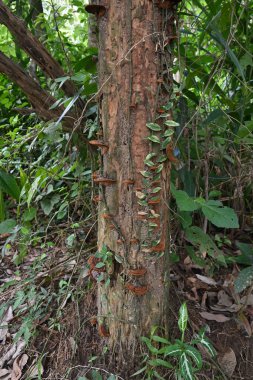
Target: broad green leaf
column 185, row 219
column 159, row 168
column 100, row 265
column 8, row 184
column 185, row 367
column 34, row 187
column 244, row 279
column 145, row 174
column 149, row 163
column 7, row 226
column 183, row 317
column 48, row 203
column 154, row 139
column 154, row 127
column 205, row 244
column 156, row 190
column 29, row 214
column 246, row 256
column 194, row 354
column 171, row 123
column 172, row 350
column 184, row 202
column 168, row 132
column 150, row 155
column 219, row 215
column 165, row 142
column 202, row 339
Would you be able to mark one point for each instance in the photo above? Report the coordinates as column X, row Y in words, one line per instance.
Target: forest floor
column 48, row 317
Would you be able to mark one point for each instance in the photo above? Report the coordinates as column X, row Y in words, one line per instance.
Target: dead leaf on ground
column 5, row 374
column 18, row 365
column 7, row 317
column 224, row 299
column 228, row 362
column 12, row 352
column 206, row 280
column 214, row 317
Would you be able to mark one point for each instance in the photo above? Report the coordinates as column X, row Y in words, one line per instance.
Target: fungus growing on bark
column 128, row 182
column 137, row 290
column 100, row 144
column 137, row 272
column 103, row 331
column 104, row 181
column 154, row 201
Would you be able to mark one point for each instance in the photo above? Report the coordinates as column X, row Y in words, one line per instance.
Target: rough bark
column 34, row 48
column 40, row 100
column 133, row 60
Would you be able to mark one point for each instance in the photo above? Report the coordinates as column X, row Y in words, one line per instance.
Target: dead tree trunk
column 40, row 100
column 134, row 63
column 34, row 48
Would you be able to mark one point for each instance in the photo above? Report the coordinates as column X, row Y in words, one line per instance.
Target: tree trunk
column 35, row 49
column 39, row 98
column 134, row 58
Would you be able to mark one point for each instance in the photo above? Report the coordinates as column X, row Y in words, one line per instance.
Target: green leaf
column 172, row 350
column 244, row 279
column 150, row 155
column 217, row 36
column 100, row 265
column 154, row 139
column 165, row 142
column 219, row 215
column 185, row 219
column 185, row 367
column 171, row 123
column 8, row 184
column 168, row 132
column 204, row 341
column 154, row 127
column 149, row 163
column 159, row 339
column 246, row 257
column 156, row 190
column 48, row 203
column 184, row 202
column 145, row 174
column 7, row 226
column 160, row 362
column 151, row 348
column 195, row 355
column 203, row 241
column 183, row 317
column 29, row 214
column 159, row 168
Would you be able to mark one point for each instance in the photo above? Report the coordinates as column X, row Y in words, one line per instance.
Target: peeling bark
column 40, row 100
column 132, row 36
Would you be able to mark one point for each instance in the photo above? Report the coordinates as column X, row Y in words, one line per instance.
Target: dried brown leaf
column 214, row 317
column 228, row 362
